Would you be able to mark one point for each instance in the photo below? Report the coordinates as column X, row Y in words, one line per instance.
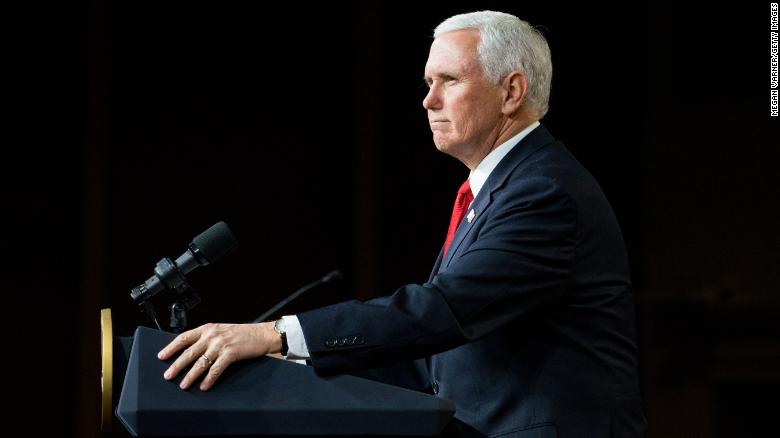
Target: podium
column 260, row 397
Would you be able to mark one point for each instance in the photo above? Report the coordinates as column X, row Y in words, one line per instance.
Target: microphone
column 208, row 247
column 327, row 278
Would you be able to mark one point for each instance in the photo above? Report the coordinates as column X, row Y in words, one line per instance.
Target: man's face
column 464, row 109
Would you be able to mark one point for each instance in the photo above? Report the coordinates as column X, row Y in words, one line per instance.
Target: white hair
column 508, row 44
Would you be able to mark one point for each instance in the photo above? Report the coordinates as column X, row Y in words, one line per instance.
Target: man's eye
column 446, row 80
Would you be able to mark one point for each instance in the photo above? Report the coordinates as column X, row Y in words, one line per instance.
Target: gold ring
column 206, row 358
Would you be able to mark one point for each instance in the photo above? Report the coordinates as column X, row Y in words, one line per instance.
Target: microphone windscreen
column 215, row 242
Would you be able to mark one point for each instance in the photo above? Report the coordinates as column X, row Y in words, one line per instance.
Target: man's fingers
column 200, row 366
column 182, row 341
column 187, row 357
column 216, row 370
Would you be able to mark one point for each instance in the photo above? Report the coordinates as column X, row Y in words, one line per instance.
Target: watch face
column 279, row 325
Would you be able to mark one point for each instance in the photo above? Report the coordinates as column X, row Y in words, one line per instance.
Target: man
column 526, row 322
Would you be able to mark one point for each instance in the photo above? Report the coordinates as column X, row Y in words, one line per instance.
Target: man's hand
column 211, row 348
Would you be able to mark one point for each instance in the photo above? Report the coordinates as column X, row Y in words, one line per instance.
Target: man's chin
column 445, row 147
column 442, row 142
column 442, row 147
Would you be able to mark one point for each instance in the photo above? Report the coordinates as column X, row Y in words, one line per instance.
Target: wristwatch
column 279, row 328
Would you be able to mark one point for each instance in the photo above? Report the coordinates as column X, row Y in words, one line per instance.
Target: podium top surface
column 268, row 396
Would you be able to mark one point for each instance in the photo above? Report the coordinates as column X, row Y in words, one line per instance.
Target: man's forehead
column 463, row 41
column 453, row 52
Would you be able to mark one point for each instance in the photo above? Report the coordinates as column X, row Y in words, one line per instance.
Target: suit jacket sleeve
column 518, row 257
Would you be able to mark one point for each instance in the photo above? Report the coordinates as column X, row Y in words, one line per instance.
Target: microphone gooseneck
column 327, row 278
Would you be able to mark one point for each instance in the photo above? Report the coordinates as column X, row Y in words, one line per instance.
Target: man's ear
column 515, row 87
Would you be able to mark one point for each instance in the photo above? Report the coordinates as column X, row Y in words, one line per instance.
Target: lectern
column 261, row 397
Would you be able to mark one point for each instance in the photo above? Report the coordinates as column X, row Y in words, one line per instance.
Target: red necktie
column 462, row 202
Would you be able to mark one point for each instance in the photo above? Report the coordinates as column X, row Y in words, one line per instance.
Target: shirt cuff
column 296, row 343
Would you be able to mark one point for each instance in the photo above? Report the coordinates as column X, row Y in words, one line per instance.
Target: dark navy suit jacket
column 527, row 323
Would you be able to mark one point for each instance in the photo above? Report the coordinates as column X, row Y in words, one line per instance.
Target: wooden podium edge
column 107, row 369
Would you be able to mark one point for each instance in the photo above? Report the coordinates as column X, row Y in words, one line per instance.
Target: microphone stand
column 187, row 300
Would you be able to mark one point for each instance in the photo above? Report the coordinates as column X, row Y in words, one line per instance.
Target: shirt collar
column 478, row 176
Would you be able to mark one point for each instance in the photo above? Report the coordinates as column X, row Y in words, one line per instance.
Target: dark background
column 135, row 126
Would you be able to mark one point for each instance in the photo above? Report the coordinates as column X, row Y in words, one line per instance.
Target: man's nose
column 432, row 101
